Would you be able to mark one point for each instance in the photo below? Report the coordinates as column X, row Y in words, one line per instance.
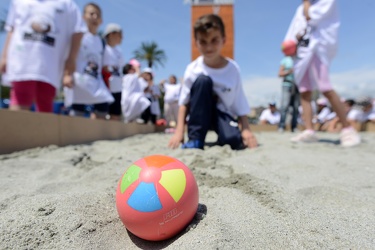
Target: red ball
column 289, row 47
column 157, row 197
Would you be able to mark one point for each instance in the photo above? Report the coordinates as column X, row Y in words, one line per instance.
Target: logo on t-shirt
column 41, row 24
column 92, row 69
column 115, row 71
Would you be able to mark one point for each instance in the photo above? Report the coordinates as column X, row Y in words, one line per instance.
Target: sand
column 278, row 196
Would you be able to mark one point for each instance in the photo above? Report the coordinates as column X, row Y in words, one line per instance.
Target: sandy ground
column 278, row 196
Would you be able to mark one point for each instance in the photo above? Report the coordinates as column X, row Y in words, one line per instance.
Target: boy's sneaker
column 305, row 136
column 193, row 144
column 349, row 137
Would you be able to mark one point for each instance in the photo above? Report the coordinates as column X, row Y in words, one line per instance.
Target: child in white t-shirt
column 367, row 112
column 89, row 87
column 40, row 50
column 171, row 89
column 270, row 116
column 212, row 94
column 152, row 92
column 133, row 99
column 315, row 26
column 113, row 62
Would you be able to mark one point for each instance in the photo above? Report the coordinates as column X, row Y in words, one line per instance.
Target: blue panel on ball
column 145, row 198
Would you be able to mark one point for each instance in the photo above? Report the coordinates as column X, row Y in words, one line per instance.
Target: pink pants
column 24, row 93
column 316, row 73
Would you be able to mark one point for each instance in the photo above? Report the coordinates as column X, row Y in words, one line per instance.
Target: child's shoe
column 349, row 137
column 193, row 144
column 305, row 136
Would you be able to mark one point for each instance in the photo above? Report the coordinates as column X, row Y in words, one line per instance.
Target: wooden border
column 23, row 130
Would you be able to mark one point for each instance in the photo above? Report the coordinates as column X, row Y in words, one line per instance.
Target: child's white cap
column 322, row 101
column 110, row 28
column 147, row 70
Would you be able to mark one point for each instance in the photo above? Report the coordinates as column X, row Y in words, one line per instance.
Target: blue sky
column 259, row 29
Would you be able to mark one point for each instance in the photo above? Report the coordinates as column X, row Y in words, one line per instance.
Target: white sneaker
column 305, row 136
column 281, row 130
column 349, row 137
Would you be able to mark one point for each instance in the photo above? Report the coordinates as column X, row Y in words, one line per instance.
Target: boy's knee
column 234, row 140
column 204, row 80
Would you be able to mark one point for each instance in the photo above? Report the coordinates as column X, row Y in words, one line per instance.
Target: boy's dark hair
column 174, row 77
column 150, row 74
column 207, row 22
column 350, row 102
column 126, row 68
column 95, row 5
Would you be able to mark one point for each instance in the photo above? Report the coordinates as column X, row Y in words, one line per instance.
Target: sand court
column 280, row 195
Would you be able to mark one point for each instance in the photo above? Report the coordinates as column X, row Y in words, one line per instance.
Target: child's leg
column 100, row 111
column 22, row 95
column 307, row 114
column 285, row 101
column 45, row 93
column 115, row 107
column 337, row 107
column 228, row 131
column 295, row 104
column 201, row 108
column 321, row 74
column 78, row 110
column 305, row 89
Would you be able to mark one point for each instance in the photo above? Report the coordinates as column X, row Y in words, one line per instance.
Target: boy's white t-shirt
column 155, row 107
column 115, row 61
column 227, row 86
column 271, row 118
column 89, row 86
column 362, row 116
column 323, row 115
column 133, row 99
column 172, row 92
column 41, row 56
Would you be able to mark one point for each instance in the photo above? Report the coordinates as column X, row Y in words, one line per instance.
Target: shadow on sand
column 157, row 245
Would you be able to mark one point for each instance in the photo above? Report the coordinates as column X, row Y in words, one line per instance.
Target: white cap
column 111, row 27
column 147, row 70
column 322, row 101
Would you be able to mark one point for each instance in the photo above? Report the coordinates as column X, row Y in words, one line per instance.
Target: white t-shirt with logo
column 271, row 118
column 39, row 53
column 172, row 92
column 114, row 60
column 155, row 107
column 367, row 116
column 227, row 86
column 133, row 99
column 323, row 115
column 89, row 86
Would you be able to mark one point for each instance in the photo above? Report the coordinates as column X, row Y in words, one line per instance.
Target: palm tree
column 2, row 26
column 3, row 15
column 150, row 53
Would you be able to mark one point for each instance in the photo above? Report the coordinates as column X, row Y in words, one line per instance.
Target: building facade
column 223, row 8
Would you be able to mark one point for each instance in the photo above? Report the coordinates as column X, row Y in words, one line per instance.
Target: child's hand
column 3, row 66
column 249, row 139
column 176, row 140
column 68, row 81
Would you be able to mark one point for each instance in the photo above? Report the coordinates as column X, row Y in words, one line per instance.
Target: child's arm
column 3, row 62
column 318, row 11
column 283, row 72
column 306, row 7
column 70, row 63
column 248, row 137
column 178, row 136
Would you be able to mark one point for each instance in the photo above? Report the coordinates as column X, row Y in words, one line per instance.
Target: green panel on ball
column 131, row 175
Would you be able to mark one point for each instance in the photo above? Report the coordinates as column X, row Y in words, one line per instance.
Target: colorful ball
column 157, row 197
column 289, row 47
